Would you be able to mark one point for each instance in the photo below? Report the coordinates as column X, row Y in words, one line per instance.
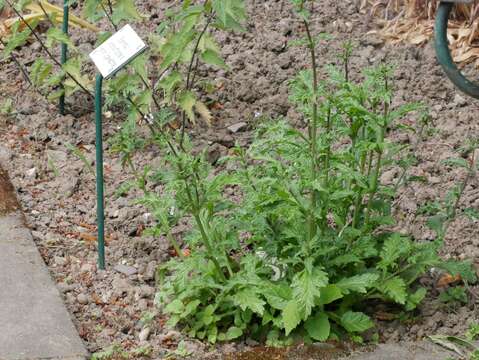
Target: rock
column 82, row 299
column 251, row 342
column 388, row 176
column 170, row 336
column 146, row 291
column 237, row 127
column 5, row 155
column 120, row 286
column 143, row 304
column 192, row 347
column 31, row 173
column 60, row 261
column 65, row 288
column 215, row 152
column 150, row 270
column 58, row 157
column 126, row 270
column 144, row 334
column 459, row 101
column 87, row 268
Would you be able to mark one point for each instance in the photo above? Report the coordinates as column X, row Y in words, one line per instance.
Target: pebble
column 59, row 260
column 31, row 173
column 144, row 334
column 171, row 335
column 237, row 127
column 87, row 268
column 65, row 288
column 126, row 269
column 150, row 270
column 82, row 299
column 143, row 304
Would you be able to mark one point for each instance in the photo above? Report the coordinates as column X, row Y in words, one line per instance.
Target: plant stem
column 44, row 47
column 204, row 236
column 313, row 129
column 189, row 83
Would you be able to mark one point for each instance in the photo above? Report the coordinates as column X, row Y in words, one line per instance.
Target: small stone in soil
column 125, row 269
column 82, row 299
column 31, row 173
column 237, row 127
column 143, row 304
column 144, row 334
column 87, row 268
column 60, row 261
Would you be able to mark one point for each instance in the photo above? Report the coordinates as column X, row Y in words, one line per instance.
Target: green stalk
column 313, row 129
column 374, row 185
column 204, row 236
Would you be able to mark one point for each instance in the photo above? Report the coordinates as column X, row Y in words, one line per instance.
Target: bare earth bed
column 57, row 192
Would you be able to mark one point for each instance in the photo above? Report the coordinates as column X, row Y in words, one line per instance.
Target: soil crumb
column 8, row 201
column 316, row 352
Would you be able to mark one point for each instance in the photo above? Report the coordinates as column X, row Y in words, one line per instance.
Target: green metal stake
column 64, row 51
column 99, row 173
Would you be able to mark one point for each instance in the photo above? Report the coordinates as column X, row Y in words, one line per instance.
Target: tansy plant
column 304, row 243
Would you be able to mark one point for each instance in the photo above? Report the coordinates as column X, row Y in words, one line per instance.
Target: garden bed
column 57, row 190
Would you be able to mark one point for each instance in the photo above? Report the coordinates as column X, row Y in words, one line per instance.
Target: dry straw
column 412, row 21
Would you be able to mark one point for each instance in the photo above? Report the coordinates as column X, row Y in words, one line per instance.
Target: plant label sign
column 117, row 51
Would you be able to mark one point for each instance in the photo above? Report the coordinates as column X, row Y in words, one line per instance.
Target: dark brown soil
column 8, row 201
column 59, row 198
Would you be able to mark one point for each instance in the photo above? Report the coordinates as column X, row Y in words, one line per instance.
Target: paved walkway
column 406, row 351
column 34, row 323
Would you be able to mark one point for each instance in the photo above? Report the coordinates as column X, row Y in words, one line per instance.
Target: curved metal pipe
column 444, row 54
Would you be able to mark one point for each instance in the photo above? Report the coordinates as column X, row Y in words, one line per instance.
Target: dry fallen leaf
column 447, row 279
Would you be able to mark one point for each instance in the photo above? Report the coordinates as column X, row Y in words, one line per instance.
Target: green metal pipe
column 64, row 49
column 444, row 54
column 100, row 202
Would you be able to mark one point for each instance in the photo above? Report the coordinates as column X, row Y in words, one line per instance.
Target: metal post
column 99, row 173
column 64, row 50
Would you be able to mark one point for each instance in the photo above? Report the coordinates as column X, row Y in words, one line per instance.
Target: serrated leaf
column 395, row 246
column 329, row 294
column 395, row 288
column 211, row 57
column 175, row 307
column 306, row 288
column 318, row 327
column 230, row 13
column 170, row 83
column 190, row 308
column 248, row 299
column 55, row 35
column 125, row 10
column 55, row 95
column 357, row 283
column 415, row 299
column 291, row 317
column 204, row 112
column 39, row 72
column 356, row 321
column 278, row 296
column 187, row 101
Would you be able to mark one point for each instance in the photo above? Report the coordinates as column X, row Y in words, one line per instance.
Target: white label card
column 117, row 51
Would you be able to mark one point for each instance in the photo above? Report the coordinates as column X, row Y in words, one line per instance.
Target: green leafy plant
column 307, row 243
column 454, row 295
